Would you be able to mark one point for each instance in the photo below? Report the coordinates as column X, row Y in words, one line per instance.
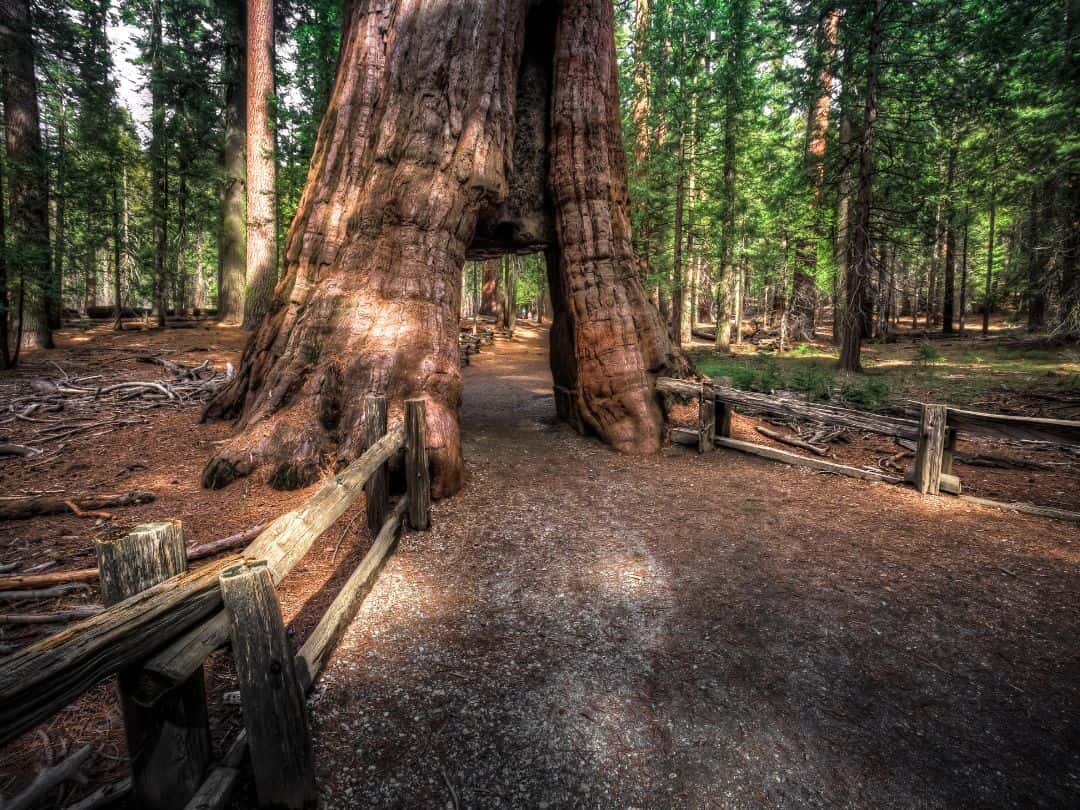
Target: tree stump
column 377, row 488
column 169, row 743
column 275, row 716
column 417, row 477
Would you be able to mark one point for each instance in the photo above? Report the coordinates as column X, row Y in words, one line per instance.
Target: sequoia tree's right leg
column 608, row 340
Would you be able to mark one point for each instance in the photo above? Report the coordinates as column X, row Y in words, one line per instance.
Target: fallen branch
column 802, row 461
column 103, row 796
column 22, row 582
column 1026, row 508
column 74, row 507
column 45, row 593
column 780, row 437
column 22, row 508
column 18, row 450
column 225, row 543
column 60, row 617
column 50, row 778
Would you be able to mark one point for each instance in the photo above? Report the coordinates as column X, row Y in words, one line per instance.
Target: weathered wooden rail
column 935, row 434
column 162, row 621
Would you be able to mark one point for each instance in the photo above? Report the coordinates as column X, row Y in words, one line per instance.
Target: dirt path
column 587, row 629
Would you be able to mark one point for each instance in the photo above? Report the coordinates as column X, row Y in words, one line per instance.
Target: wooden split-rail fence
column 934, row 435
column 162, row 621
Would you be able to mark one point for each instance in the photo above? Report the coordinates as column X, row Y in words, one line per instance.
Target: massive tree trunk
column 261, row 167
column 28, row 182
column 232, row 251
column 453, row 129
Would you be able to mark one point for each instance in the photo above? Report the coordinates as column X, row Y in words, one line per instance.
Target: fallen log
column 788, row 406
column 21, row 508
column 791, row 440
column 802, row 461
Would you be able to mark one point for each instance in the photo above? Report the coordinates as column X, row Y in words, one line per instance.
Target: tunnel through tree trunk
column 454, row 130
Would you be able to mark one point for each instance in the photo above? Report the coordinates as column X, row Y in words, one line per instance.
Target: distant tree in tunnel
column 454, row 129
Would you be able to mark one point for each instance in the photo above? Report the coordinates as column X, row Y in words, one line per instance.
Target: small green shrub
column 814, row 381
column 927, row 354
column 866, row 392
column 802, row 350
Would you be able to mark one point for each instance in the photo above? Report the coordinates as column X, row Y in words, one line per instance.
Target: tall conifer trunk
column 489, row 126
column 232, row 254
column 28, row 182
column 261, row 167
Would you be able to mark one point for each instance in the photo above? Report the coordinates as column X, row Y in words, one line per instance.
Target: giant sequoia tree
column 454, row 129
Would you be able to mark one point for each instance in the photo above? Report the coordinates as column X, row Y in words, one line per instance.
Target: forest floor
column 581, row 628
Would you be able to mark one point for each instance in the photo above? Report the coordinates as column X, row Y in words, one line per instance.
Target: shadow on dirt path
column 585, row 629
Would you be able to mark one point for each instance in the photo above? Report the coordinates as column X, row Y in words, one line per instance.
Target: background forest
column 816, row 168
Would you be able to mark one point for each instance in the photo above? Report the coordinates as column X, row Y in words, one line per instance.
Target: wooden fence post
column 723, row 411
column 377, row 488
column 275, row 715
column 706, row 419
column 169, row 743
column 417, row 475
column 930, row 450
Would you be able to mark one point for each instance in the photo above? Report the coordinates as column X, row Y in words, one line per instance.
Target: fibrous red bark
column 454, row 130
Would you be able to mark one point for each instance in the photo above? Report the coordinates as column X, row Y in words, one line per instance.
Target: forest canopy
column 807, row 166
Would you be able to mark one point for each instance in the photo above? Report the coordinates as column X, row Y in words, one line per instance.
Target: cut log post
column 275, row 716
column 169, row 744
column 377, row 488
column 929, row 452
column 417, row 475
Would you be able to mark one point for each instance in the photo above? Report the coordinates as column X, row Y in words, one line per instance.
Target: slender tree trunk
column 732, row 89
column 804, row 294
column 677, row 271
column 118, row 252
column 1041, row 203
column 948, row 310
column 232, row 252
column 489, row 289
column 861, row 261
column 988, row 298
column 843, row 225
column 6, row 359
column 963, row 277
column 159, row 166
column 261, row 169
column 28, row 181
column 412, row 153
column 937, row 249
column 60, row 197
